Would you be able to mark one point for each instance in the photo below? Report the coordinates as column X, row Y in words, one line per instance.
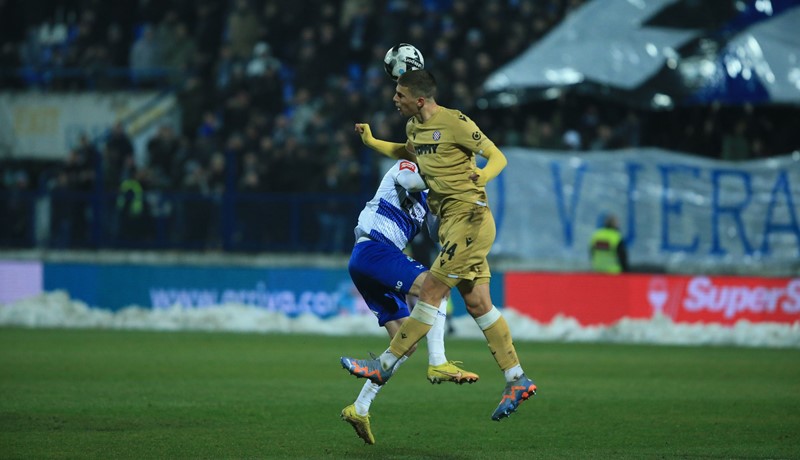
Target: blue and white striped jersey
column 397, row 212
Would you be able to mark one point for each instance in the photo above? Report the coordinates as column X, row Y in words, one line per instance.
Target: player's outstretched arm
column 495, row 163
column 409, row 178
column 390, row 149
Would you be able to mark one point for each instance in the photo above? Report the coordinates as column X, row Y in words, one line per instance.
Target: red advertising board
column 597, row 299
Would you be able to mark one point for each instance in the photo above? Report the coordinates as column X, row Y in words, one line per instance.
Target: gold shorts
column 466, row 237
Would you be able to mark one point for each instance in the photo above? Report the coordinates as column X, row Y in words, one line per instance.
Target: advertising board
column 598, row 299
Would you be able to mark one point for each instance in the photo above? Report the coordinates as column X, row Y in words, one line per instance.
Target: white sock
column 399, row 362
column 513, row 373
column 370, row 390
column 435, row 337
column 388, row 359
column 364, row 400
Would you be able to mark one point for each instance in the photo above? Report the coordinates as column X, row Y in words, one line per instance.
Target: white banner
column 677, row 212
column 46, row 126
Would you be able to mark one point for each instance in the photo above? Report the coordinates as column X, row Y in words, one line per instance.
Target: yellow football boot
column 450, row 372
column 360, row 423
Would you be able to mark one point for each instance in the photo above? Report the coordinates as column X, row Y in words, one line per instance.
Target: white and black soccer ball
column 401, row 59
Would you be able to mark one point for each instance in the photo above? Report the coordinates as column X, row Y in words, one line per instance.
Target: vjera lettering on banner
column 605, row 299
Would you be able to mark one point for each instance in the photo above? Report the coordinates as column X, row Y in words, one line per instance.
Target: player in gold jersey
column 444, row 142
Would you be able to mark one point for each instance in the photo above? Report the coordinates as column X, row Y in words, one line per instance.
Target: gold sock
column 498, row 337
column 409, row 333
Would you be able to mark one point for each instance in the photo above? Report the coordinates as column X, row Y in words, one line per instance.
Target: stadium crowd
column 269, row 91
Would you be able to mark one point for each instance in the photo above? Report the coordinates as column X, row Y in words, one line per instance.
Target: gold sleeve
column 496, row 161
column 390, row 149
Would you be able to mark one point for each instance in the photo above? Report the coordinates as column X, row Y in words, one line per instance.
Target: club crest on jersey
column 476, row 135
column 408, row 165
column 437, row 135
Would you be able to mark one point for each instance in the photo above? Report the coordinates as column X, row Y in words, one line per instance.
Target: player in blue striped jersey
column 384, row 276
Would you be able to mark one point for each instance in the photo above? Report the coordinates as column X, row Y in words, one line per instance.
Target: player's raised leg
column 498, row 336
column 422, row 318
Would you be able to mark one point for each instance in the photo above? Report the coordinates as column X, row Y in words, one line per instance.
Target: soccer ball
column 402, row 58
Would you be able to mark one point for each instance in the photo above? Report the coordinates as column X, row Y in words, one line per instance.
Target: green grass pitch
column 132, row 394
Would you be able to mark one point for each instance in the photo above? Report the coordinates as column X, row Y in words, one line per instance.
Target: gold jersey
column 446, row 145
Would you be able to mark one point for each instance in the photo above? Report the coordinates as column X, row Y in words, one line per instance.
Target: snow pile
column 56, row 309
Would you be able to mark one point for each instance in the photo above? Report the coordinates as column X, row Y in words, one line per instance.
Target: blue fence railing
column 250, row 222
column 89, row 78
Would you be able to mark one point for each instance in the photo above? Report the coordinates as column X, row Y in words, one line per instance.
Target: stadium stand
column 268, row 92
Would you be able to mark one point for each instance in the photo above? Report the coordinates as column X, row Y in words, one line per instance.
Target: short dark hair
column 420, row 82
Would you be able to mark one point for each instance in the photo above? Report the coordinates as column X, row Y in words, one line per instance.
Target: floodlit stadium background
column 177, row 156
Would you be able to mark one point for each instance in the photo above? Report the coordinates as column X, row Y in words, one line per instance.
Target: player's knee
column 478, row 309
column 433, row 290
column 416, row 287
column 477, row 298
column 477, row 305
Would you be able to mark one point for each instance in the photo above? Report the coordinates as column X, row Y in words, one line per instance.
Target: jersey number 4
column 449, row 250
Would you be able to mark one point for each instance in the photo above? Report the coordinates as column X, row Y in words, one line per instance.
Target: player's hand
column 363, row 130
column 477, row 179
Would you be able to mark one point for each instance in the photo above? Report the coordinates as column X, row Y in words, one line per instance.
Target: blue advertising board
column 322, row 292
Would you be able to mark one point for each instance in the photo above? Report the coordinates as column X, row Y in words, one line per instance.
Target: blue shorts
column 383, row 276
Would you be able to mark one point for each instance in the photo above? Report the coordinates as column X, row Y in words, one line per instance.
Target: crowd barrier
column 591, row 299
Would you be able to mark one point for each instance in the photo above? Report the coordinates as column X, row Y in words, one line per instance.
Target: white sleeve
column 408, row 177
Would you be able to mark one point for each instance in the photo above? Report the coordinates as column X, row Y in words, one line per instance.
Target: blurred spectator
column 262, row 61
column 603, row 138
column 361, row 29
column 548, row 138
column 161, row 156
column 210, row 126
column 9, row 59
column 193, row 101
column 208, row 26
column 145, row 57
column 341, row 177
column 251, row 212
column 225, row 68
column 179, row 52
column 266, row 91
column 134, row 214
column 236, row 112
column 629, row 132
column 16, row 206
column 61, row 211
column 165, row 32
column 735, row 146
column 69, row 198
column 88, row 158
column 216, row 174
column 119, row 149
column 117, row 48
column 304, row 109
column 307, row 74
column 195, row 206
column 607, row 248
column 243, row 29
